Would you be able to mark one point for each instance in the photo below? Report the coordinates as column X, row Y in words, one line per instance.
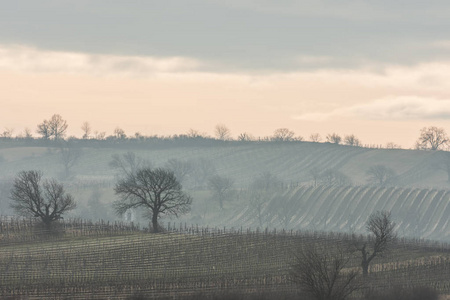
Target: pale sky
column 376, row 69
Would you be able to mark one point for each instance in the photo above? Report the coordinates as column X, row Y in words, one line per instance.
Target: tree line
column 55, row 128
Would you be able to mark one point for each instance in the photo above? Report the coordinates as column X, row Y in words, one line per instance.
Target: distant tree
column 222, row 132
column 392, row 145
column 245, row 137
column 58, row 127
column 221, row 187
column 128, row 163
column 283, row 135
column 432, row 138
column 99, row 135
column 382, row 230
column 380, row 174
column 86, row 127
column 158, row 191
column 27, row 133
column 352, row 140
column 334, row 138
column 203, row 169
column 334, row 177
column 266, row 181
column 315, row 137
column 119, row 134
column 182, row 169
column 69, row 157
column 44, row 130
column 45, row 200
column 193, row 133
column 320, row 272
column 7, row 133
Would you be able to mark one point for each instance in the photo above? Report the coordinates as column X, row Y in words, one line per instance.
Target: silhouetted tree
column 283, row 135
column 158, row 191
column 47, row 200
column 44, row 130
column 119, row 134
column 315, row 137
column 69, row 157
column 352, row 140
column 86, row 127
column 222, row 132
column 245, row 137
column 181, row 169
column 380, row 174
column 56, row 127
column 334, row 138
column 432, row 138
column 320, row 273
column 382, row 234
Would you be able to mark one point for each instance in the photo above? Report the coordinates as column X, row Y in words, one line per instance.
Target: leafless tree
column 44, row 130
column 7, row 133
column 315, row 137
column 352, row 140
column 392, row 145
column 334, row 177
column 432, row 138
column 382, row 234
column 320, row 273
column 27, row 133
column 245, row 137
column 182, row 169
column 99, row 135
column 86, row 127
column 222, row 132
column 58, row 127
column 194, row 133
column 47, row 200
column 380, row 174
column 158, row 191
column 283, row 135
column 128, row 163
column 119, row 133
column 69, row 157
column 334, row 138
column 221, row 187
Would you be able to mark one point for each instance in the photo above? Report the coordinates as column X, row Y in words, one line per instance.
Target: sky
column 377, row 69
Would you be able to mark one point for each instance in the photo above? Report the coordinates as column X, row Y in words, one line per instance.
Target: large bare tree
column 432, row 138
column 56, row 127
column 382, row 234
column 157, row 191
column 44, row 199
column 222, row 132
column 380, row 175
column 320, row 273
column 283, row 135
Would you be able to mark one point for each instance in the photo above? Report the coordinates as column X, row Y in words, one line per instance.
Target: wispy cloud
column 29, row 59
column 391, row 108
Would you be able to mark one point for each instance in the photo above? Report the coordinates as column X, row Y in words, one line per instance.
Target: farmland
column 119, row 261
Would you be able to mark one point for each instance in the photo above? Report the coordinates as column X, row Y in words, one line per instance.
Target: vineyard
column 417, row 212
column 114, row 261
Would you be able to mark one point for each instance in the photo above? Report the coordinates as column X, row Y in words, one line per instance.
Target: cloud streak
column 391, row 108
column 28, row 59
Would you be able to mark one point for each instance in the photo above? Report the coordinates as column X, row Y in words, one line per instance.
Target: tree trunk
column 155, row 222
column 365, row 268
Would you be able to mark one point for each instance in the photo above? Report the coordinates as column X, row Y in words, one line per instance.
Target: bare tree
column 86, row 127
column 194, row 133
column 99, row 135
column 334, row 177
column 334, row 138
column 245, row 137
column 222, row 132
column 128, row 163
column 27, row 133
column 181, row 169
column 47, row 200
column 69, row 157
column 44, row 130
column 352, row 140
column 158, row 191
column 382, row 230
column 221, row 187
column 380, row 174
column 283, row 135
column 315, row 137
column 119, row 134
column 7, row 133
column 432, row 138
column 58, row 127
column 392, row 145
column 320, row 273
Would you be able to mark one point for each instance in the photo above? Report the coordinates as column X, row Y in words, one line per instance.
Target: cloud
column 28, row 59
column 391, row 108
